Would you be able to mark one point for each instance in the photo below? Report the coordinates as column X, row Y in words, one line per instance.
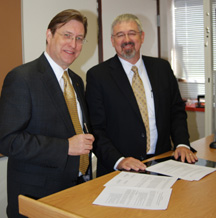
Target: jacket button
column 142, row 135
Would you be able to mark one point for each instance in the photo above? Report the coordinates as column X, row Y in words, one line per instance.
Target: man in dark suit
column 121, row 134
column 37, row 131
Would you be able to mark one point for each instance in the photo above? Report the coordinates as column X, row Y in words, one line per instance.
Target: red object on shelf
column 192, row 107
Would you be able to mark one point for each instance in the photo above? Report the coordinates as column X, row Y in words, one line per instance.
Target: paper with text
column 181, row 170
column 131, row 179
column 139, row 198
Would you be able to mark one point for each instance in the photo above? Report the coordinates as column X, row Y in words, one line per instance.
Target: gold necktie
column 70, row 98
column 139, row 92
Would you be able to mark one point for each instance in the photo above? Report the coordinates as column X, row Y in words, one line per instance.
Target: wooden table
column 188, row 199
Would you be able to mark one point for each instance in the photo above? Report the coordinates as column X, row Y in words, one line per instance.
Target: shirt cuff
column 117, row 162
column 182, row 145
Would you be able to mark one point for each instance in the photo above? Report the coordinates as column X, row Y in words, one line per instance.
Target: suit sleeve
column 103, row 148
column 16, row 141
column 179, row 129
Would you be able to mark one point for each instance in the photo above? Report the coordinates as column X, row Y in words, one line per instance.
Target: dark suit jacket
column 34, row 129
column 115, row 117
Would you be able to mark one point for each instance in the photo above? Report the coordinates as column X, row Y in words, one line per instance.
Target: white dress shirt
column 58, row 71
column 149, row 98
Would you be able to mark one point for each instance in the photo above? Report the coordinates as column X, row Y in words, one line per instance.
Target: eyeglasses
column 130, row 34
column 78, row 39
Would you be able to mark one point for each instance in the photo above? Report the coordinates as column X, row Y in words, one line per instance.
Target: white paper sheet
column 130, row 179
column 181, row 170
column 139, row 198
column 134, row 190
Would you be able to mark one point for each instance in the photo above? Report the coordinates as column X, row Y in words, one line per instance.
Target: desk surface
column 188, row 199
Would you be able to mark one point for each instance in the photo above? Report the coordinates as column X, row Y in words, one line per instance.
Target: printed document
column 181, row 170
column 134, row 190
column 139, row 198
column 129, row 179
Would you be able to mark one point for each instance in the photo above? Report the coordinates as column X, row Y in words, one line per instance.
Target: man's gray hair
column 126, row 17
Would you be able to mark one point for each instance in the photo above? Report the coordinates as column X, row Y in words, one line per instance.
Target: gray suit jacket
column 34, row 127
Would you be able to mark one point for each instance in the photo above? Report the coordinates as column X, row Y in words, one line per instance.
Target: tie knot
column 65, row 76
column 134, row 69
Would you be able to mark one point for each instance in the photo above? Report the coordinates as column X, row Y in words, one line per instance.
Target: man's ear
column 48, row 35
column 112, row 41
column 143, row 36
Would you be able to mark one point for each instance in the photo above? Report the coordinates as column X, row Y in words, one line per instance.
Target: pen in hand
column 90, row 137
column 86, row 128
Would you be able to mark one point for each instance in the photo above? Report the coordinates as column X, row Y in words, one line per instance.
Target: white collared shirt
column 150, row 102
column 58, row 71
column 149, row 97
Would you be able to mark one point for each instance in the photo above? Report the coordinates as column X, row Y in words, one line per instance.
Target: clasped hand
column 80, row 144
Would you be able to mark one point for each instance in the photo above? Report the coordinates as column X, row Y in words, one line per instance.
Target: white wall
column 36, row 17
column 37, row 14
column 3, row 186
column 166, row 29
column 145, row 10
column 196, row 124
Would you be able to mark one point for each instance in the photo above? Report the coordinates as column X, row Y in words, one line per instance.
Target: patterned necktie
column 70, row 98
column 139, row 92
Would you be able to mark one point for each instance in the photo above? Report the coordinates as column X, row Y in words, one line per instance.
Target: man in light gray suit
column 36, row 130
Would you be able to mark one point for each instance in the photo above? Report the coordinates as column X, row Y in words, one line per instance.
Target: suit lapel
column 149, row 65
column 123, row 83
column 52, row 86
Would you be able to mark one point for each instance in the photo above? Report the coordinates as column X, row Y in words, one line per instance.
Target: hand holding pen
column 86, row 128
column 81, row 144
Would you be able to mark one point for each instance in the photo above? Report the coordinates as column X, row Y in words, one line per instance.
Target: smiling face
column 64, row 51
column 127, row 40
